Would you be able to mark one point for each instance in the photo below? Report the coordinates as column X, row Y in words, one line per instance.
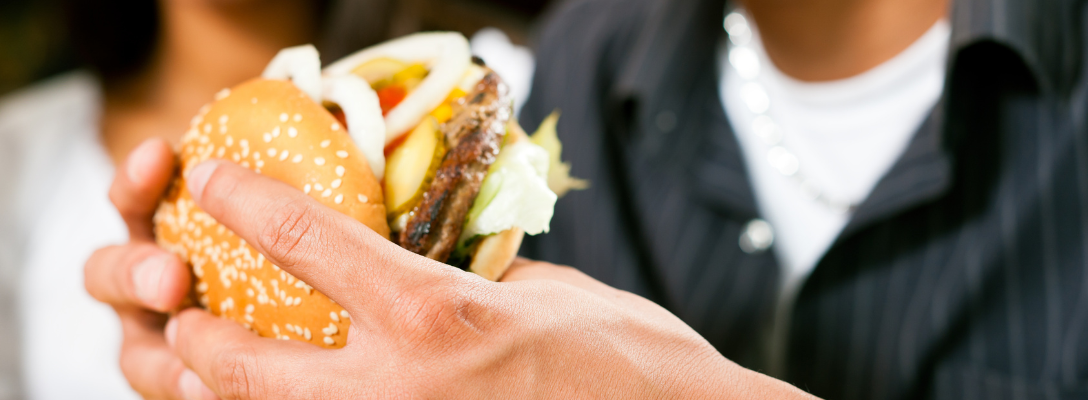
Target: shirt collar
column 1045, row 34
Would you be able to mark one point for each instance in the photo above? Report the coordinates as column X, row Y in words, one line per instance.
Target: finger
column 335, row 254
column 140, row 183
column 236, row 363
column 137, row 274
column 149, row 365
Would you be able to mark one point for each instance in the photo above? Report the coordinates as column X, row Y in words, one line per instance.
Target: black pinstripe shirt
column 964, row 275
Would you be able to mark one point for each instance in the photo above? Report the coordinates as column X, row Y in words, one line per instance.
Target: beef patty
column 474, row 137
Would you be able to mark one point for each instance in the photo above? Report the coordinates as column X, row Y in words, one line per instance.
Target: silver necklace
column 746, row 62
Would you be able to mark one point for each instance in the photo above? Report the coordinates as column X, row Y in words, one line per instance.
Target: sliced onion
column 363, row 114
column 301, row 65
column 446, row 55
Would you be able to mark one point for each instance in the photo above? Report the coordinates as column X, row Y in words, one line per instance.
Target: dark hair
column 117, row 38
column 113, row 38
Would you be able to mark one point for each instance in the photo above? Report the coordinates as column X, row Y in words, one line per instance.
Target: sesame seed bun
column 494, row 253
column 272, row 128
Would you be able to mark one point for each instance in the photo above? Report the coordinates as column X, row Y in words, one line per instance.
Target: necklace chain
column 746, row 62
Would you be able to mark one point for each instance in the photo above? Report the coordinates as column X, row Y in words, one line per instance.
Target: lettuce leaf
column 559, row 179
column 514, row 193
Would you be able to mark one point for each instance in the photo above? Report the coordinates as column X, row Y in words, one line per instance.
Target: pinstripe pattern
column 963, row 276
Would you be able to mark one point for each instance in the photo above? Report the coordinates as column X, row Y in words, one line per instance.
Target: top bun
column 274, row 129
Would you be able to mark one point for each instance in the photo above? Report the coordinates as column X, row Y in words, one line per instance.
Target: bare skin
column 204, row 46
column 821, row 40
column 422, row 329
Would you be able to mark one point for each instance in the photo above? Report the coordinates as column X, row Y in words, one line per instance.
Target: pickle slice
column 411, row 166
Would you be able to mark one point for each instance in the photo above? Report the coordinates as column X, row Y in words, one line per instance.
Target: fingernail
column 139, row 160
column 171, row 331
column 192, row 388
column 198, row 178
column 146, row 276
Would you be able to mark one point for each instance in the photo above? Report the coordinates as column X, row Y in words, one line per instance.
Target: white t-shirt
column 814, row 149
column 57, row 213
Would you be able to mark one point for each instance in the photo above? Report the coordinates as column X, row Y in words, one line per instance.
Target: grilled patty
column 474, row 137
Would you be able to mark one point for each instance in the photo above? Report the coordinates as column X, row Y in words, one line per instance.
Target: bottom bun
column 495, row 253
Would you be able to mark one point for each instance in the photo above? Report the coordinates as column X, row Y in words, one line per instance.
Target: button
column 758, row 236
column 665, row 121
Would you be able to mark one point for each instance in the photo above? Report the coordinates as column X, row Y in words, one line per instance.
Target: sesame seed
column 284, row 154
column 298, row 117
column 222, row 129
column 250, row 308
column 336, row 183
column 283, row 117
column 245, row 164
column 272, row 152
column 267, row 137
column 202, row 287
column 276, row 132
column 329, row 341
column 297, row 159
column 222, row 94
column 330, row 330
column 362, row 199
column 325, row 143
column 319, row 160
column 333, row 316
column 339, row 170
column 335, row 126
column 249, row 292
column 260, row 164
column 219, row 153
column 243, row 143
column 292, row 132
column 344, row 313
column 342, row 153
column 306, row 334
column 319, row 187
column 229, row 141
column 306, row 189
column 207, row 128
column 223, row 119
column 339, row 198
column 326, row 193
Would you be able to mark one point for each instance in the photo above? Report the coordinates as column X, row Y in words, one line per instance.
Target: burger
column 413, row 138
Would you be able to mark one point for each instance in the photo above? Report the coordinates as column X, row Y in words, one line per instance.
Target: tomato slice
column 390, row 96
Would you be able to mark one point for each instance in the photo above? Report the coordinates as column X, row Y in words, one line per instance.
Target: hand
column 423, row 329
column 142, row 282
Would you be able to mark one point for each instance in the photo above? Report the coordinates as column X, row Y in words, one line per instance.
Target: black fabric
column 964, row 275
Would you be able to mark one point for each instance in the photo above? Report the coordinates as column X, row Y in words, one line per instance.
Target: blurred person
column 866, row 199
column 149, row 67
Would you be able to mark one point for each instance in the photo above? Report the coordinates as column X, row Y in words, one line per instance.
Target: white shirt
column 57, row 213
column 835, row 140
